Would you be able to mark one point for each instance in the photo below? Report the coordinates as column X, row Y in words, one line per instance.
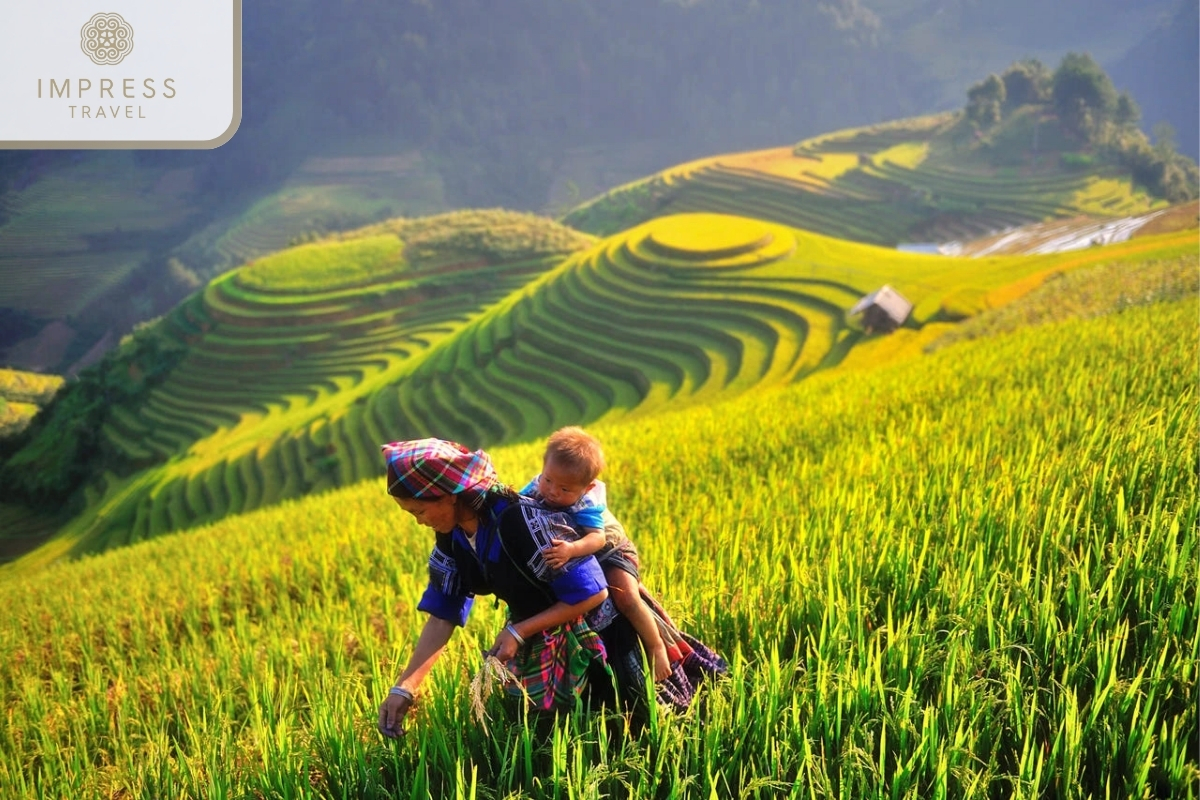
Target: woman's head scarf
column 432, row 468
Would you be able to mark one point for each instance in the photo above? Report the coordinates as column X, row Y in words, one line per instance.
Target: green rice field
column 287, row 386
column 908, row 181
column 968, row 574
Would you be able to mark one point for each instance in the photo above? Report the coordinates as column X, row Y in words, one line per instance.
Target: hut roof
column 888, row 299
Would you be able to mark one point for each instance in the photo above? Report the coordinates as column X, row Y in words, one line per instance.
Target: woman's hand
column 391, row 714
column 505, row 647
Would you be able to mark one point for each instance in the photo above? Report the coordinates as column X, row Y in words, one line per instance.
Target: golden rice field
column 905, row 181
column 22, row 394
column 287, row 386
column 971, row 574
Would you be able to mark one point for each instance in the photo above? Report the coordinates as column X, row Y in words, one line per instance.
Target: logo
column 70, row 82
column 106, row 39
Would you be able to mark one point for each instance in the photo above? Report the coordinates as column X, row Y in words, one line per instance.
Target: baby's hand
column 557, row 554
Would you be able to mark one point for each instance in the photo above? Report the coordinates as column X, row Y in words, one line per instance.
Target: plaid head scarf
column 431, row 468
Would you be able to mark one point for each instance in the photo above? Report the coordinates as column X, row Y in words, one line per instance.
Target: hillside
column 944, row 576
column 927, row 179
column 281, row 378
column 241, row 380
column 415, row 108
column 22, row 394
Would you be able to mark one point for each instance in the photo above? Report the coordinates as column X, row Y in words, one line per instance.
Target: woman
column 564, row 640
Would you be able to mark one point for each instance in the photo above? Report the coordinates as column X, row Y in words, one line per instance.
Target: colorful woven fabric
column 551, row 669
column 692, row 662
column 431, row 468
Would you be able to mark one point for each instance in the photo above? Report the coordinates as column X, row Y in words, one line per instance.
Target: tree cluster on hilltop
column 1100, row 121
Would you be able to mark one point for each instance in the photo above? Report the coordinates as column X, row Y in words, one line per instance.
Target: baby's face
column 560, row 488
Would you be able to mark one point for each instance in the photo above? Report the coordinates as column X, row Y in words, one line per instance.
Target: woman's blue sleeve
column 579, row 581
column 444, row 597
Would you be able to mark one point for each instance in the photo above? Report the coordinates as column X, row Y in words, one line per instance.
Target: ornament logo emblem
column 106, row 38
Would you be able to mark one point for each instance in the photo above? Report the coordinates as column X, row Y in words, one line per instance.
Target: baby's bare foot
column 660, row 663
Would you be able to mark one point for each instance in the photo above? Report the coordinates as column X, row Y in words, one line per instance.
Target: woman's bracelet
column 402, row 692
column 512, row 631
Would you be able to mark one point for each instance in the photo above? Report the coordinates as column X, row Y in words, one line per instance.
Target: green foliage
column 1077, row 161
column 28, row 387
column 50, row 462
column 970, row 575
column 1158, row 167
column 1127, row 113
column 985, row 101
column 326, row 265
column 1100, row 125
column 1084, row 96
column 1026, row 82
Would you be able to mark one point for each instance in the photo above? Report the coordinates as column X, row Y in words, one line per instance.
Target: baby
column 568, row 483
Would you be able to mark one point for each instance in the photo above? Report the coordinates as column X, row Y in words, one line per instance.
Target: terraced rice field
column 22, row 394
column 884, row 185
column 254, row 412
column 289, row 392
column 79, row 231
column 325, row 193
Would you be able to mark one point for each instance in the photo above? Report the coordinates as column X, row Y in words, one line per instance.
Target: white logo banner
column 120, row 73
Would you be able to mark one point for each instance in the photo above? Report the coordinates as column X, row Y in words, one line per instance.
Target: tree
column 1083, row 94
column 1164, row 140
column 1127, row 112
column 984, row 101
column 1026, row 82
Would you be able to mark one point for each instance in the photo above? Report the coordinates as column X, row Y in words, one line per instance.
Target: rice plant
column 971, row 574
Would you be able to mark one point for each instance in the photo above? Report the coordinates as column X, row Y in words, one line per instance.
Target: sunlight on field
column 326, row 265
column 910, row 181
column 784, row 163
column 947, row 576
column 907, row 154
column 1113, row 197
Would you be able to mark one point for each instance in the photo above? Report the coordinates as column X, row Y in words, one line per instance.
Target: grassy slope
column 325, row 193
column 82, row 228
column 255, row 410
column 959, row 575
column 922, row 179
column 284, row 394
column 79, row 231
column 22, row 394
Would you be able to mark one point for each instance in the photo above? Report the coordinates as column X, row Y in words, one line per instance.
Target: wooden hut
column 883, row 310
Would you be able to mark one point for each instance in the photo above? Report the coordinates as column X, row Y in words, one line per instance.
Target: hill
column 926, row 179
column 1031, row 145
column 275, row 346
column 22, row 394
column 416, row 108
column 949, row 575
column 281, row 378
